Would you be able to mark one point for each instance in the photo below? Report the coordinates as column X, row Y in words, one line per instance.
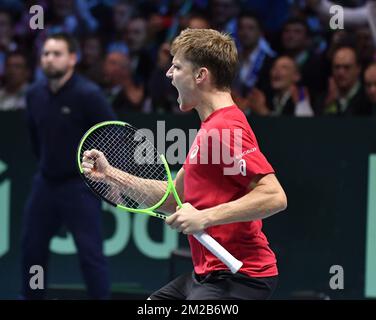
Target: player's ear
column 201, row 74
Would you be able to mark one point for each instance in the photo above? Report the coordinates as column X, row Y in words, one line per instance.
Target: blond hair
column 211, row 49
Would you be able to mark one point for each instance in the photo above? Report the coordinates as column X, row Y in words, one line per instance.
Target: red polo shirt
column 223, row 160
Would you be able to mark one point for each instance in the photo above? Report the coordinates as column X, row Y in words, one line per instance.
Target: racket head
column 129, row 150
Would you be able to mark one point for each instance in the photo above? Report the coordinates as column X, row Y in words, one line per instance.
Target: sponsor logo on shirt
column 245, row 153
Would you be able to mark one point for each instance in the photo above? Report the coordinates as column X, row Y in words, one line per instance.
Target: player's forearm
column 257, row 204
column 152, row 190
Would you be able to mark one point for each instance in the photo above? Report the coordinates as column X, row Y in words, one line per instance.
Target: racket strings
column 122, row 195
column 128, row 150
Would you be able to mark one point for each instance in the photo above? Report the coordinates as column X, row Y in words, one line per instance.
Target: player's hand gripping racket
column 122, row 166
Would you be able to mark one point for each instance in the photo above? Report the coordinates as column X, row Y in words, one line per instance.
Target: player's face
column 56, row 59
column 183, row 79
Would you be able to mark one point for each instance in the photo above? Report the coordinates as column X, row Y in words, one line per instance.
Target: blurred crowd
column 291, row 62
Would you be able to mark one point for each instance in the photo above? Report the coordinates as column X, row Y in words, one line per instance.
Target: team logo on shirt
column 243, row 167
column 194, row 152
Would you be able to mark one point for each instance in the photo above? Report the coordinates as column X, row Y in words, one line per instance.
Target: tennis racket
column 137, row 179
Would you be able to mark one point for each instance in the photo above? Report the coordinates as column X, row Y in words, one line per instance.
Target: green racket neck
column 171, row 182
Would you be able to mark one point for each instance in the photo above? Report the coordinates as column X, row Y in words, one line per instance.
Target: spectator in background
column 300, row 9
column 167, row 18
column 296, row 43
column 255, row 60
column 72, row 16
column 91, row 64
column 223, row 15
column 60, row 110
column 68, row 16
column 365, row 46
column 16, row 76
column 162, row 96
column 370, row 84
column 287, row 98
column 273, row 14
column 136, row 38
column 197, row 21
column 338, row 38
column 121, row 15
column 7, row 43
column 192, row 20
column 345, row 93
column 123, row 92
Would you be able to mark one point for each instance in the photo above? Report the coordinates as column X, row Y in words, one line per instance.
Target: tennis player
column 228, row 204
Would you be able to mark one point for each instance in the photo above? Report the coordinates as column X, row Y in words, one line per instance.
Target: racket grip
column 221, row 253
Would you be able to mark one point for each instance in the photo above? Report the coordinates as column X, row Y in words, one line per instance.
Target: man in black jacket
column 59, row 111
column 346, row 95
